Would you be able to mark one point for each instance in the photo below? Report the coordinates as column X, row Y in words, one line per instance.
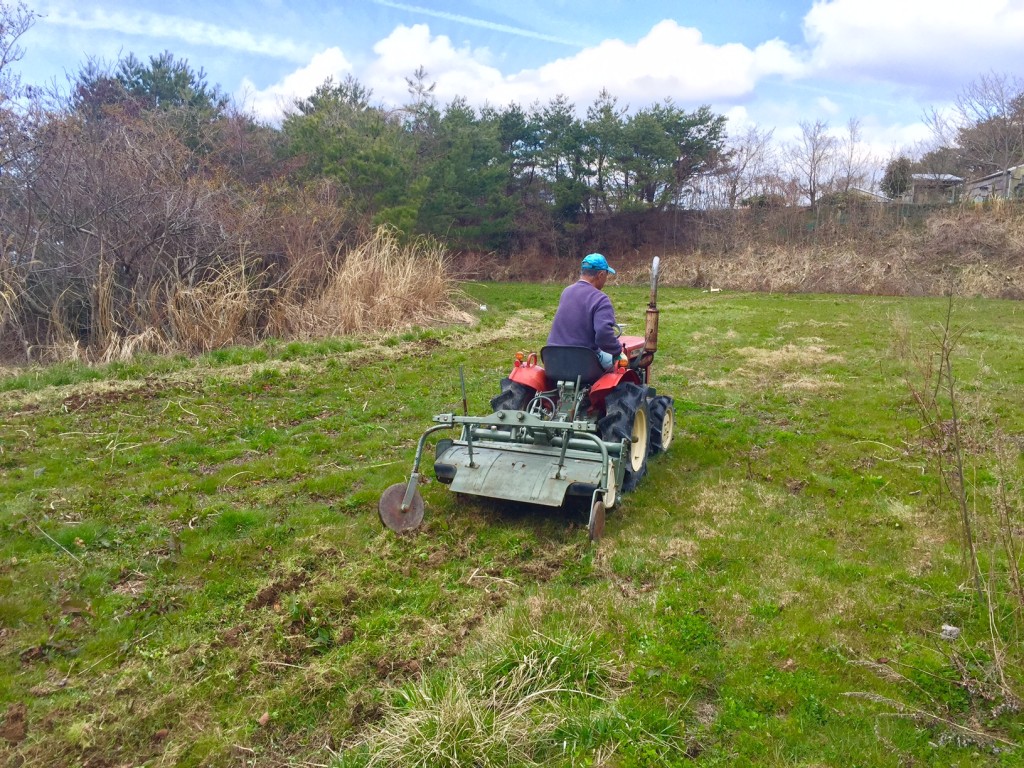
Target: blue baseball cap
column 595, row 262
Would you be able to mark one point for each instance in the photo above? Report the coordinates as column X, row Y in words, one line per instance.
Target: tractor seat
column 566, row 363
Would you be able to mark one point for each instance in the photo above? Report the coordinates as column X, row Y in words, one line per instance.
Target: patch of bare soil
column 397, row 669
column 15, row 725
column 111, row 393
column 543, row 568
column 364, row 711
column 232, row 637
column 131, row 584
column 271, row 594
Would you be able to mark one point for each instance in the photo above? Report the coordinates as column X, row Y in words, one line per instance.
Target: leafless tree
column 985, row 123
column 853, row 161
column 812, row 160
column 15, row 21
column 751, row 164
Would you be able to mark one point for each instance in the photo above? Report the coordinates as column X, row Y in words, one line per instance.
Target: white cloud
column 889, row 139
column 739, row 120
column 921, row 42
column 461, row 71
column 826, row 105
column 160, row 26
column 670, row 61
column 270, row 103
column 848, row 39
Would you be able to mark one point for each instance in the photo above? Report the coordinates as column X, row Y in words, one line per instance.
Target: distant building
column 1008, row 183
column 932, row 188
column 867, row 195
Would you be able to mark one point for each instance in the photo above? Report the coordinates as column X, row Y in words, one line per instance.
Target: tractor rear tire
column 663, row 421
column 514, row 396
column 626, row 418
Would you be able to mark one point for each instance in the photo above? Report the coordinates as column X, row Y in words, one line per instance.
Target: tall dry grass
column 857, row 248
column 12, row 288
column 965, row 251
column 383, row 284
column 218, row 312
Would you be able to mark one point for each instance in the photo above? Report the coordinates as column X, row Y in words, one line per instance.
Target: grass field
column 192, row 571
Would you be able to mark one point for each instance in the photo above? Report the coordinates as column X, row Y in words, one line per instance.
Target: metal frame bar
column 414, row 478
column 503, row 427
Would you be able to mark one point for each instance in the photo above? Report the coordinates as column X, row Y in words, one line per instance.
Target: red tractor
column 560, row 427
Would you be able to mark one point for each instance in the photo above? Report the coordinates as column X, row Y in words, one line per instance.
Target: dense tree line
column 142, row 179
column 499, row 178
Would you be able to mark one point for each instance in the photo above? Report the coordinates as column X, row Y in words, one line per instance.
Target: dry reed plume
column 382, row 285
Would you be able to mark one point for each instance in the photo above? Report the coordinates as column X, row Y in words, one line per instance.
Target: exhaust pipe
column 651, row 323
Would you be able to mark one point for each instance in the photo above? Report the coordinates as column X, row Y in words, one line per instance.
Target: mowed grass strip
column 192, row 571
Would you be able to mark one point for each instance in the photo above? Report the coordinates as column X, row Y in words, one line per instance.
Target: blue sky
column 770, row 64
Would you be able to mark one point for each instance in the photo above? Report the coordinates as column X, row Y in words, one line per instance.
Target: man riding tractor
column 580, row 421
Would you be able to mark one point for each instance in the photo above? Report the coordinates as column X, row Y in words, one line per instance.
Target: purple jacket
column 584, row 319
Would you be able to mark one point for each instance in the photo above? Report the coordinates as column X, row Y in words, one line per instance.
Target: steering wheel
column 617, row 330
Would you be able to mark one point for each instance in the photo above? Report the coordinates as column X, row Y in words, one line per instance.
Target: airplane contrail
column 481, row 23
column 190, row 31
